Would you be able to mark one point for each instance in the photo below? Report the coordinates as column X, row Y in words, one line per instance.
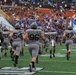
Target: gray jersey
column 51, row 35
column 22, row 40
column 52, row 40
column 69, row 35
column 47, row 36
column 6, row 40
column 17, row 35
column 5, row 35
column 69, row 39
column 34, row 35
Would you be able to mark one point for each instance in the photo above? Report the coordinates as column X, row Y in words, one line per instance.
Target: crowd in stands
column 58, row 18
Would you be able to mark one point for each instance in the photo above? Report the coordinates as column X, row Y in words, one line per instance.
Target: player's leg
column 34, row 53
column 5, row 44
column 17, row 52
column 0, row 52
column 22, row 48
column 69, row 48
column 54, row 49
column 51, row 49
column 6, row 47
column 40, row 50
column 51, row 52
column 11, row 49
column 13, row 53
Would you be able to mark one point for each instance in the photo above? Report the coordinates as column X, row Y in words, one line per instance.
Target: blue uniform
column 73, row 24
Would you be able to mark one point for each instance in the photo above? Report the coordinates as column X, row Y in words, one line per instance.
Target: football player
column 16, row 35
column 33, row 35
column 6, row 40
column 1, row 40
column 68, row 35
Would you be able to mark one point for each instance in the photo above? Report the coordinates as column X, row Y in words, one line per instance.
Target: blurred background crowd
column 47, row 14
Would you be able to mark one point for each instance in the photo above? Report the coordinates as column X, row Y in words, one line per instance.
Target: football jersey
column 34, row 35
column 17, row 35
column 69, row 35
column 5, row 35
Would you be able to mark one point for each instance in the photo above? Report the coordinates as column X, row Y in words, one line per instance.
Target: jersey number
column 6, row 35
column 34, row 37
column 69, row 35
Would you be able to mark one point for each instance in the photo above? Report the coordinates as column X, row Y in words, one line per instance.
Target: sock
column 13, row 56
column 22, row 52
column 54, row 51
column 12, row 53
column 10, row 50
column 33, row 64
column 16, row 59
column 50, row 52
column 37, row 59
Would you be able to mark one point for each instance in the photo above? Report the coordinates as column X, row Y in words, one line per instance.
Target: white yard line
column 18, row 71
column 65, row 72
column 73, row 49
column 41, row 60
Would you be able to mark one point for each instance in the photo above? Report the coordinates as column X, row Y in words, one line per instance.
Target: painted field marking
column 64, row 72
column 57, row 55
column 44, row 60
column 73, row 49
column 18, row 71
column 16, row 68
column 63, row 49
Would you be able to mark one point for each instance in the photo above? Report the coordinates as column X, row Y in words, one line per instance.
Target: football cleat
column 14, row 64
column 53, row 55
column 50, row 55
column 34, row 69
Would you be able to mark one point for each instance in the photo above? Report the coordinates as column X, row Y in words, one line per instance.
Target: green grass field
column 55, row 66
